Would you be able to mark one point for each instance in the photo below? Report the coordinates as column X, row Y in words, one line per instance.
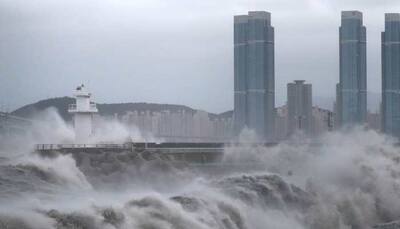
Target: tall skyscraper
column 299, row 105
column 352, row 88
column 254, row 74
column 337, row 107
column 391, row 75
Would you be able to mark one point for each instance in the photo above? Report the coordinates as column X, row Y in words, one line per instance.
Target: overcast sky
column 168, row 51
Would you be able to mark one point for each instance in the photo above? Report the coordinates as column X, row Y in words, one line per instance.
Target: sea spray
column 339, row 180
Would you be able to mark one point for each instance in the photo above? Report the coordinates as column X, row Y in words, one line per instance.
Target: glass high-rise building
column 299, row 105
column 254, row 74
column 391, row 75
column 352, row 87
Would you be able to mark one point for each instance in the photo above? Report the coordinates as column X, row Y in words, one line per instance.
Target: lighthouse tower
column 83, row 111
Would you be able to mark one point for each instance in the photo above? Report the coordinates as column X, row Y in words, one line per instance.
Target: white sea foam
column 339, row 180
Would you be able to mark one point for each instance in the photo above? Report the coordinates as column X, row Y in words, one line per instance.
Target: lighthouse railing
column 73, row 108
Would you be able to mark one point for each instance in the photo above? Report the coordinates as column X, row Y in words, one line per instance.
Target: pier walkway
column 206, row 152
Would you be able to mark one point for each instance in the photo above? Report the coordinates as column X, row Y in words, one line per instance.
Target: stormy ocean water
column 348, row 180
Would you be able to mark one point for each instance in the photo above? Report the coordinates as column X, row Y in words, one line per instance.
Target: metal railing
column 81, row 146
column 129, row 146
column 73, row 108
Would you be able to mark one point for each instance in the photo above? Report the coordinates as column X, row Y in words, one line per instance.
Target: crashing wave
column 217, row 209
column 354, row 184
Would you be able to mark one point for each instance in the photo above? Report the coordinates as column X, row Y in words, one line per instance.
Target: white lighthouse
column 83, row 111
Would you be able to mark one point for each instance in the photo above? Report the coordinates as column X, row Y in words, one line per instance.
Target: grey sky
column 168, row 51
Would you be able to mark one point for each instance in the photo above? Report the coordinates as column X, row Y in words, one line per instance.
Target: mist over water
column 340, row 180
